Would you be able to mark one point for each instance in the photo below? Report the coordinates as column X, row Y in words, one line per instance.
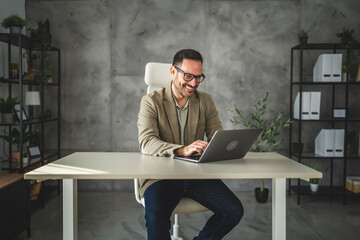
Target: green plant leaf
column 271, row 129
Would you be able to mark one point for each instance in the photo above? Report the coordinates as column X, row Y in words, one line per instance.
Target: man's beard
column 182, row 90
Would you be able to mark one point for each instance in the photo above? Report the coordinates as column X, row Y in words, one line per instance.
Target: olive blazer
column 159, row 128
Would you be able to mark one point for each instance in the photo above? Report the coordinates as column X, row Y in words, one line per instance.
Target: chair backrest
column 157, row 75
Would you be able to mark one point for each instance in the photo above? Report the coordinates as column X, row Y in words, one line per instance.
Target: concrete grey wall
column 105, row 45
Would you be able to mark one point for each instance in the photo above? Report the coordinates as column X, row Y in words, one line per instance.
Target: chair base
column 176, row 229
column 180, row 238
column 177, row 238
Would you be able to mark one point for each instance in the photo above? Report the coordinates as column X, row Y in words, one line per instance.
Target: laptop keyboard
column 195, row 157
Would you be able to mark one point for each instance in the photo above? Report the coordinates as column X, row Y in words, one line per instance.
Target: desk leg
column 70, row 209
column 278, row 209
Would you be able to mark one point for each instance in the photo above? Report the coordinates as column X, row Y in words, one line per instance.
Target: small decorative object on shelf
column 314, row 182
column 266, row 142
column 32, row 99
column 14, row 22
column 47, row 114
column 33, row 151
column 339, row 112
column 7, row 108
column 351, row 138
column 18, row 114
column 353, row 184
column 303, row 37
column 30, row 75
column 49, row 79
column 14, row 70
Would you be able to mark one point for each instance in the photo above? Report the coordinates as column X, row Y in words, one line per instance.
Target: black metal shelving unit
column 21, row 42
column 302, row 83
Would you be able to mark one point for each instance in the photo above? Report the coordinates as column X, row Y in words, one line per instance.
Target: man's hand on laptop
column 197, row 147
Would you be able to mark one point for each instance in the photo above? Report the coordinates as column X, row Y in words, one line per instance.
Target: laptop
column 225, row 145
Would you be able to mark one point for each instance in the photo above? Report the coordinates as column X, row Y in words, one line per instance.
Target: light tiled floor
column 116, row 215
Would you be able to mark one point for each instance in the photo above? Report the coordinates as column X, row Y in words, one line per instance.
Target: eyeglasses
column 188, row 76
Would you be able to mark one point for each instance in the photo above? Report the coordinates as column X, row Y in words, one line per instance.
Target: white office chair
column 158, row 75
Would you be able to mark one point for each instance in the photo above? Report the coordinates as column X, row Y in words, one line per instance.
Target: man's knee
column 234, row 213
column 156, row 219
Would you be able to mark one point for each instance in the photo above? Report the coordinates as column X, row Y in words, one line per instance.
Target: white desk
column 108, row 165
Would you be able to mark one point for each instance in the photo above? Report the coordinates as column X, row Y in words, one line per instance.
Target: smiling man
column 173, row 121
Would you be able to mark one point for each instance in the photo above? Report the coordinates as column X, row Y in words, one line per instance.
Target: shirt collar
column 177, row 105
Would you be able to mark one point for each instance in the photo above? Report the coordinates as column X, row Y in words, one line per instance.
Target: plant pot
column 35, row 190
column 303, row 42
column 15, row 159
column 314, row 187
column 348, row 151
column 6, row 117
column 298, row 147
column 261, row 196
column 15, row 30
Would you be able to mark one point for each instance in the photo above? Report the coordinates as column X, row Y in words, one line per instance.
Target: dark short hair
column 186, row 54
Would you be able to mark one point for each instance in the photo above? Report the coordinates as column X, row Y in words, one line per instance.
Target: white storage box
column 330, row 143
column 328, row 68
column 353, row 184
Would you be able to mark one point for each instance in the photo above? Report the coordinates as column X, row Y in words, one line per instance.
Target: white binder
column 339, row 142
column 305, row 113
column 328, row 68
column 325, row 143
column 315, row 99
column 336, row 67
column 322, row 69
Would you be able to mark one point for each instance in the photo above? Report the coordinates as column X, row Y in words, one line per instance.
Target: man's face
column 182, row 87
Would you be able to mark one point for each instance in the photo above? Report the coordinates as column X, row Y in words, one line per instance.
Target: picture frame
column 34, row 151
column 17, row 111
column 339, row 112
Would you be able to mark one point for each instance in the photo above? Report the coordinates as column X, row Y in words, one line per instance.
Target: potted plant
column 314, row 182
column 14, row 22
column 7, row 108
column 303, row 37
column 42, row 43
column 35, row 138
column 267, row 141
column 13, row 138
column 350, row 64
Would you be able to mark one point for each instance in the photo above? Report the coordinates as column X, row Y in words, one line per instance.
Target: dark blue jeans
column 162, row 197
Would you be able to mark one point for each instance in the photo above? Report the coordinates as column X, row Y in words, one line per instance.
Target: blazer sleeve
column 148, row 131
column 213, row 122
